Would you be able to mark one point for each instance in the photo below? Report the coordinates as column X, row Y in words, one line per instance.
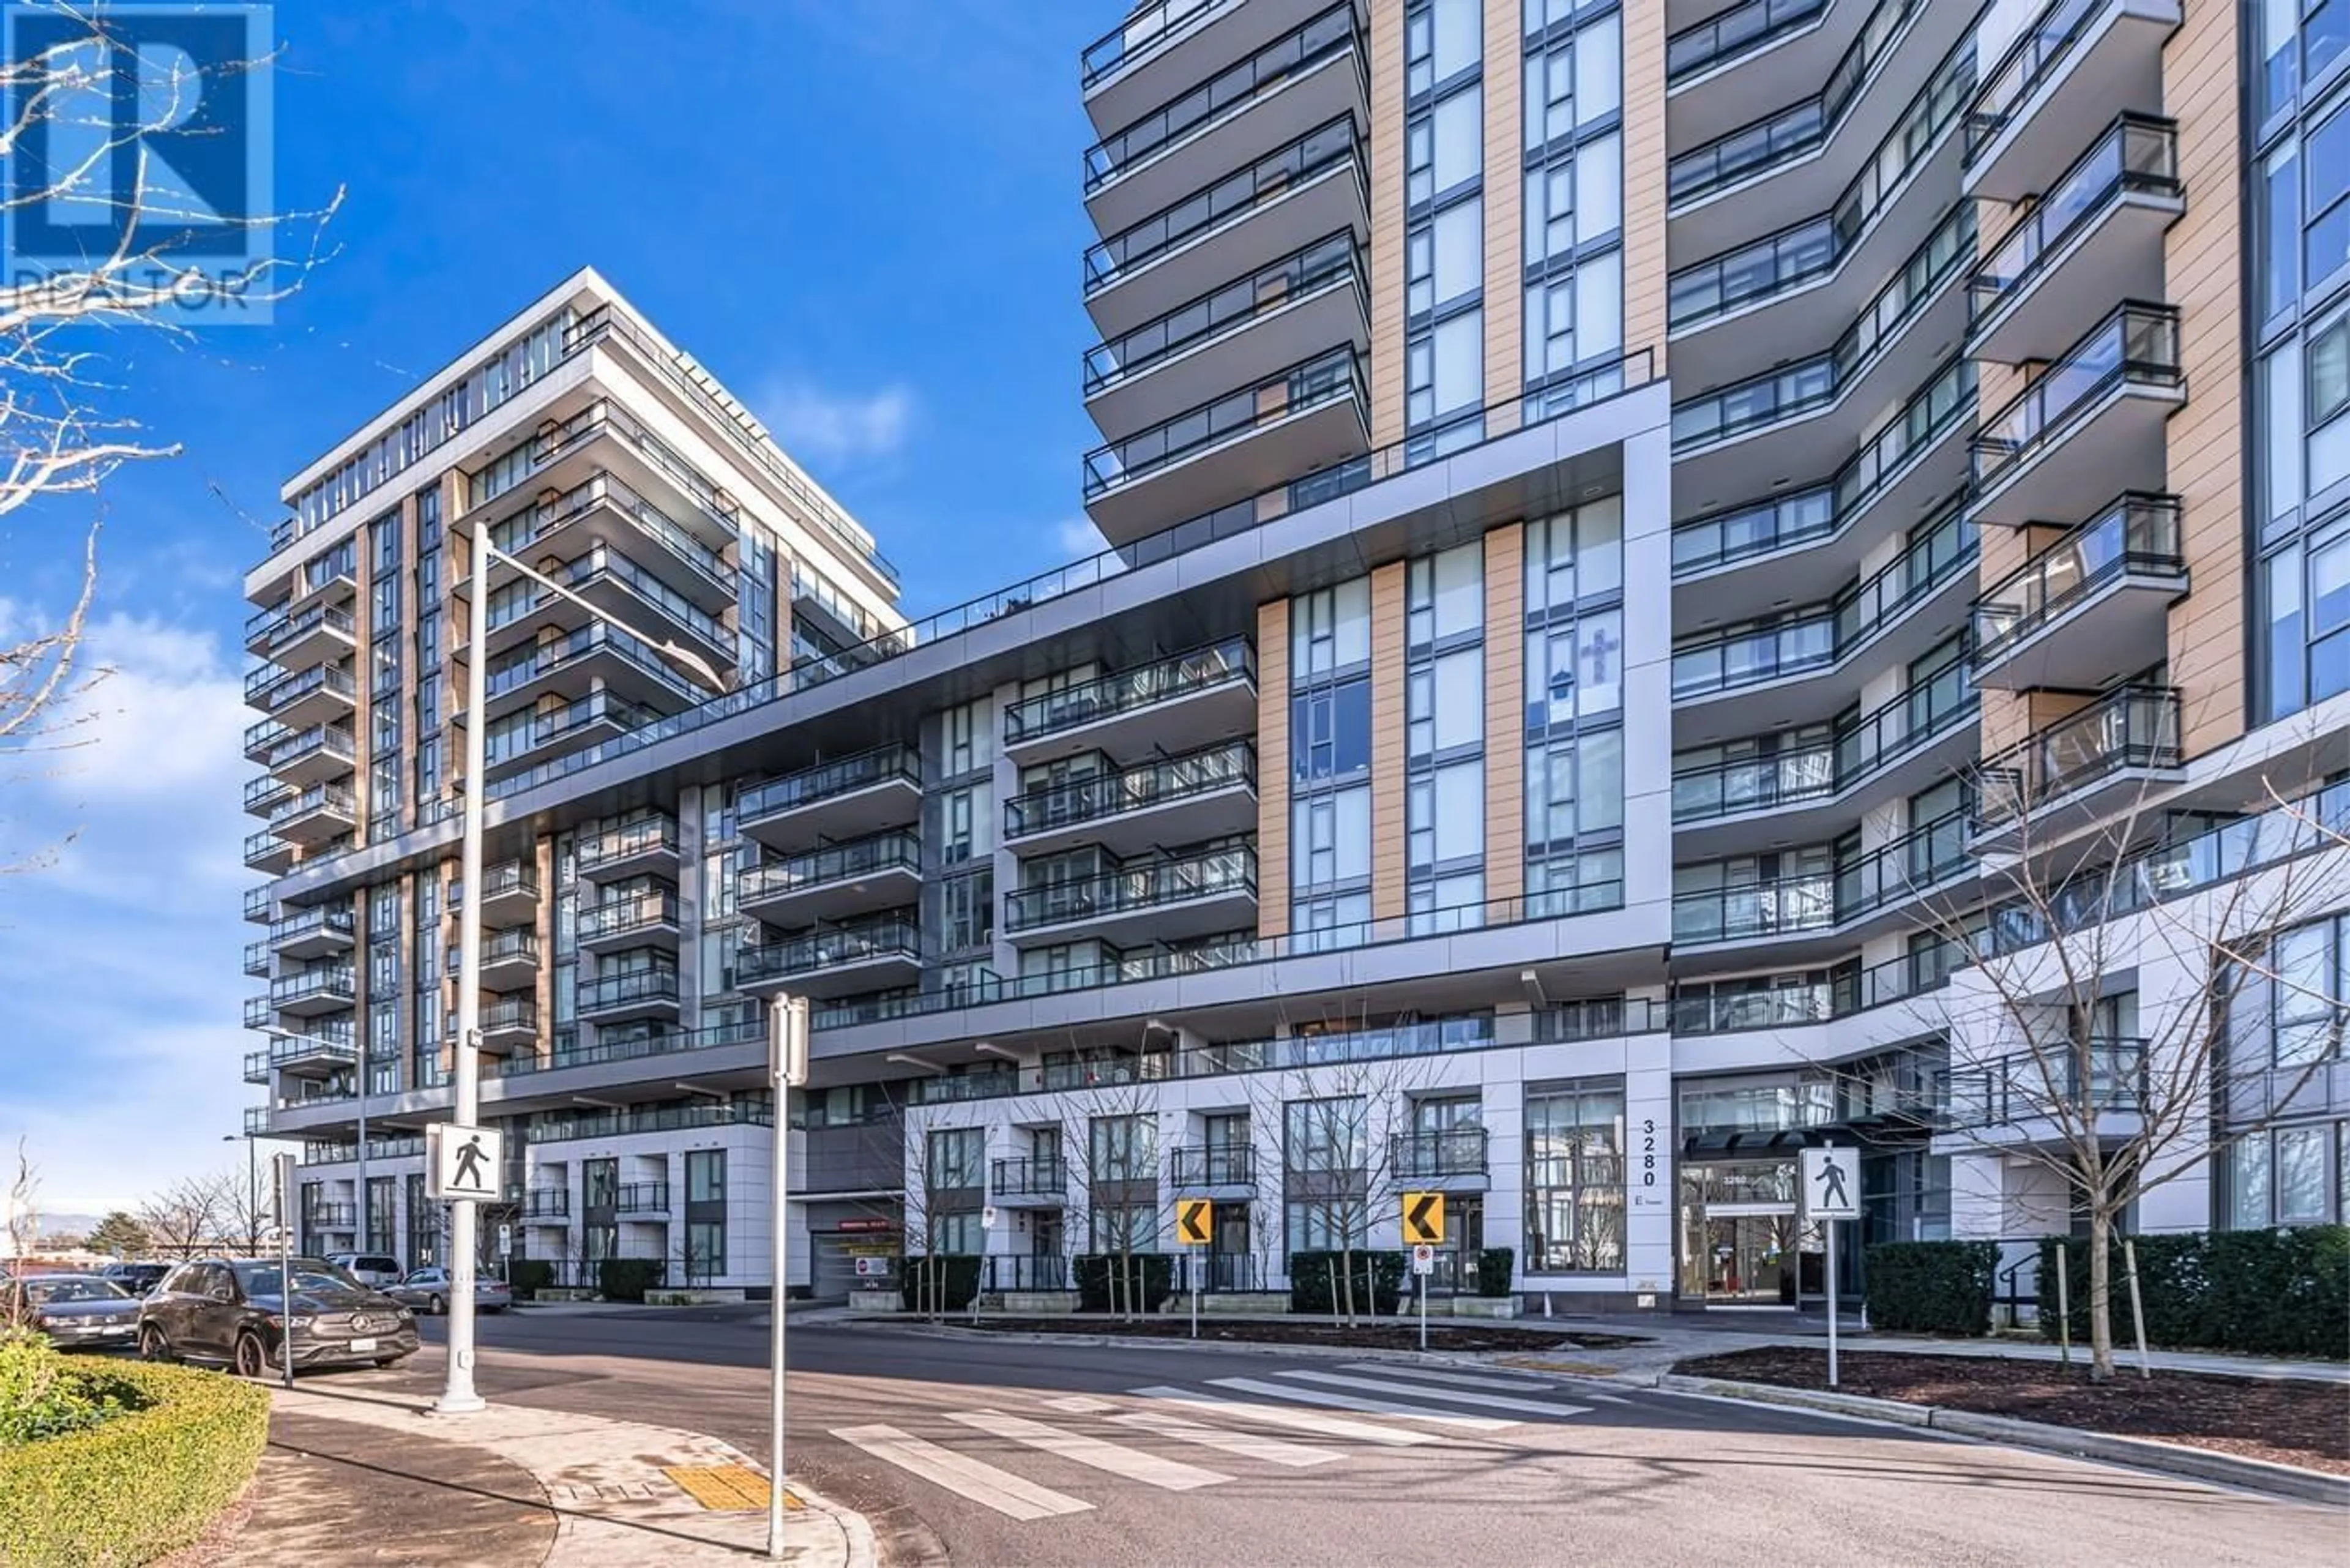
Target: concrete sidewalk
column 368, row 1470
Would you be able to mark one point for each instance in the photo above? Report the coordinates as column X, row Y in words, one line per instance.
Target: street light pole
column 788, row 1057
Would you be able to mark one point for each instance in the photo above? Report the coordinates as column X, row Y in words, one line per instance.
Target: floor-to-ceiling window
column 1330, row 758
column 1444, row 224
column 1572, row 90
column 1445, row 717
column 1575, row 709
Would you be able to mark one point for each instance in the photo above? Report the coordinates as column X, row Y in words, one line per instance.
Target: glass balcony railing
column 2138, row 342
column 627, row 989
column 603, row 563
column 519, row 945
column 271, row 689
column 2069, row 1081
column 267, row 630
column 533, row 730
column 1184, row 675
column 1804, row 252
column 503, row 1015
column 2135, row 156
column 1118, row 791
column 2138, row 532
column 849, row 776
column 517, row 533
column 1787, row 1003
column 580, row 645
column 547, row 1203
column 1924, row 858
column 335, row 799
column 1742, row 29
column 509, row 878
column 640, row 1197
column 1428, row 1155
column 1330, row 378
column 1333, row 262
column 631, row 912
column 1790, row 132
column 332, row 982
column 2129, row 727
column 1227, row 94
column 1151, row 885
column 646, row 833
column 892, row 851
column 1146, row 28
column 1797, row 776
column 894, row 935
column 1319, row 152
column 609, row 1046
column 292, row 746
column 2033, row 58
column 330, row 919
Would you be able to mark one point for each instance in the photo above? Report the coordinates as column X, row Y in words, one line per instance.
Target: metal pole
column 458, row 1396
column 1192, row 1263
column 1423, row 1312
column 787, row 1042
column 1832, row 1303
column 286, row 1290
column 2064, row 1308
column 253, row 1196
column 2138, row 1307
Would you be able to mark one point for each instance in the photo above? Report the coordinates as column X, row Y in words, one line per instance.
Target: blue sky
column 862, row 215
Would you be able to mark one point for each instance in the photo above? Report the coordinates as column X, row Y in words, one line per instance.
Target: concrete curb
column 1248, row 1348
column 2140, row 1453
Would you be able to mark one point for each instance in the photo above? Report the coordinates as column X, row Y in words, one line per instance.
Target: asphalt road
column 1001, row 1454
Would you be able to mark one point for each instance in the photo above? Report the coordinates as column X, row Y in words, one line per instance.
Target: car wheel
column 385, row 1363
column 435, row 1305
column 252, row 1359
column 152, row 1346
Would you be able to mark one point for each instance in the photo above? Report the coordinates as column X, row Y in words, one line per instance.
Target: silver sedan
column 427, row 1290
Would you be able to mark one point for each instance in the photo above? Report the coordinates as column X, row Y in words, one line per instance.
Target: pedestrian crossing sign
column 462, row 1163
column 1831, row 1184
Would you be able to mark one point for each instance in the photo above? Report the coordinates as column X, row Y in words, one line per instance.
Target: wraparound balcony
column 314, row 816
column 1207, row 693
column 318, row 932
column 1815, row 913
column 2054, row 452
column 1310, row 417
column 2089, row 609
column 308, row 994
column 646, row 918
column 1173, row 896
column 2095, row 237
column 2079, row 766
column 1028, row 1183
column 2063, row 1086
column 302, row 757
column 1163, row 46
column 606, row 511
column 530, row 737
column 596, row 658
column 1305, row 77
column 851, row 798
column 322, row 634
column 509, row 959
column 1203, row 795
column 267, row 852
column 2064, row 76
column 1313, row 187
column 630, row 995
column 872, row 954
column 299, row 698
column 646, row 842
column 883, row 871
column 617, row 589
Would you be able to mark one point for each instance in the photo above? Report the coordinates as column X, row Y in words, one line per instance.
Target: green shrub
column 528, row 1276
column 1317, row 1281
column 1494, row 1266
column 139, row 1485
column 42, row 1394
column 2264, row 1292
column 1931, row 1287
column 627, row 1279
column 940, row 1282
column 1123, row 1282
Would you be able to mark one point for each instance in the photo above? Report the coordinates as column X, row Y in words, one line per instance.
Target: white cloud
column 1076, row 538
column 167, row 718
column 817, row 426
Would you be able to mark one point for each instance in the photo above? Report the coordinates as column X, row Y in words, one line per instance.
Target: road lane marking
column 1367, row 1407
column 965, row 1477
column 1457, row 1395
column 1079, row 1405
column 1287, row 1416
column 1460, row 1380
column 1168, row 1475
column 1247, row 1445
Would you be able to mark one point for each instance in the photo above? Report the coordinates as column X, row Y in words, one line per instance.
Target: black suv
column 136, row 1278
column 233, row 1310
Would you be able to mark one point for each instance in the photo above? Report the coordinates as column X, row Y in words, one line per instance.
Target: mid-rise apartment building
column 1636, row 528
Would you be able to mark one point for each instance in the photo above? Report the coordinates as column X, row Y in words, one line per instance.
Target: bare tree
column 24, row 1218
column 1111, row 1123
column 189, row 1215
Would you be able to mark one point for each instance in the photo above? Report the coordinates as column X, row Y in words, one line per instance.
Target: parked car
column 236, row 1311
column 427, row 1290
column 136, row 1278
column 381, row 1270
column 76, row 1312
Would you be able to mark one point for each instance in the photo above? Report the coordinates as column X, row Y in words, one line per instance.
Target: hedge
column 1123, row 1282
column 1931, row 1287
column 627, row 1279
column 1315, row 1280
column 2264, row 1292
column 1493, row 1267
column 142, row 1484
column 528, row 1276
column 924, row 1276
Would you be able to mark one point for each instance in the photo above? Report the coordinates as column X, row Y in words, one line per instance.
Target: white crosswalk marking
column 1456, row 1396
column 1247, row 1445
column 1287, row 1416
column 1499, row 1385
column 1168, row 1475
column 1367, row 1407
column 982, row 1483
column 1079, row 1405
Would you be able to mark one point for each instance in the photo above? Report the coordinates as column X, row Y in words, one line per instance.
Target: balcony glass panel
column 1741, row 29
column 2030, row 60
column 1325, row 379
column 1145, row 28
column 830, row 947
column 834, row 863
column 1146, row 886
column 2137, row 534
column 2137, row 155
column 648, row 833
column 1117, row 791
column 2069, row 1081
column 1877, row 739
column 628, row 988
column 1105, row 696
column 846, row 776
column 1276, row 287
column 517, row 533
column 2130, row 727
column 1316, row 154
column 617, row 917
column 2136, row 343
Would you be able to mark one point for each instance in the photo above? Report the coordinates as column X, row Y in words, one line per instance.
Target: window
column 1122, row 1228
column 1330, row 629
column 1575, row 556
column 1444, row 372
column 955, row 1155
column 967, row 827
column 1121, row 1148
column 1575, row 670
column 1446, row 146
column 1444, row 704
column 1330, row 732
column 1446, row 258
column 1574, row 1179
column 1331, row 839
column 957, row 1234
column 706, row 1250
column 1444, row 815
column 1573, row 787
column 1445, row 595
column 1571, row 84
column 705, row 1176
column 969, row 905
column 1441, row 39
column 969, row 742
column 1326, row 1136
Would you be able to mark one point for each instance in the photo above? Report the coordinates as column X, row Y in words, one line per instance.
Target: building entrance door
column 1229, row 1261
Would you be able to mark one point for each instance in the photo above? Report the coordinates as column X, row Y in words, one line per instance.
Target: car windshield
column 50, row 1293
column 425, row 1277
column 262, row 1279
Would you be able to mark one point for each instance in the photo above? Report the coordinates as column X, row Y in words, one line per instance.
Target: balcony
column 851, row 798
column 1239, row 335
column 595, row 658
column 1448, row 1160
column 267, row 852
column 1812, row 916
column 1213, row 1170
column 509, row 894
column 607, row 513
column 641, row 1198
column 2064, row 76
column 509, row 960
column 323, row 693
column 1189, row 799
column 302, row 757
column 1028, row 1183
column 1307, row 417
column 311, row 993
column 2092, row 608
column 322, row 634
column 1283, row 202
column 319, row 582
column 256, row 1121
column 630, row 995
column 1183, row 895
column 2082, row 764
column 2094, row 238
column 873, row 954
column 2054, row 452
column 631, row 920
column 646, row 842
column 309, row 1056
column 256, row 960
column 263, row 795
column 617, row 592
column 318, row 932
column 1207, row 693
column 532, row 738
column 315, row 815
column 547, row 1203
column 879, row 872
column 1164, row 46
column 257, row 1012
column 1305, row 77
column 2061, row 1087
column 509, row 1023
